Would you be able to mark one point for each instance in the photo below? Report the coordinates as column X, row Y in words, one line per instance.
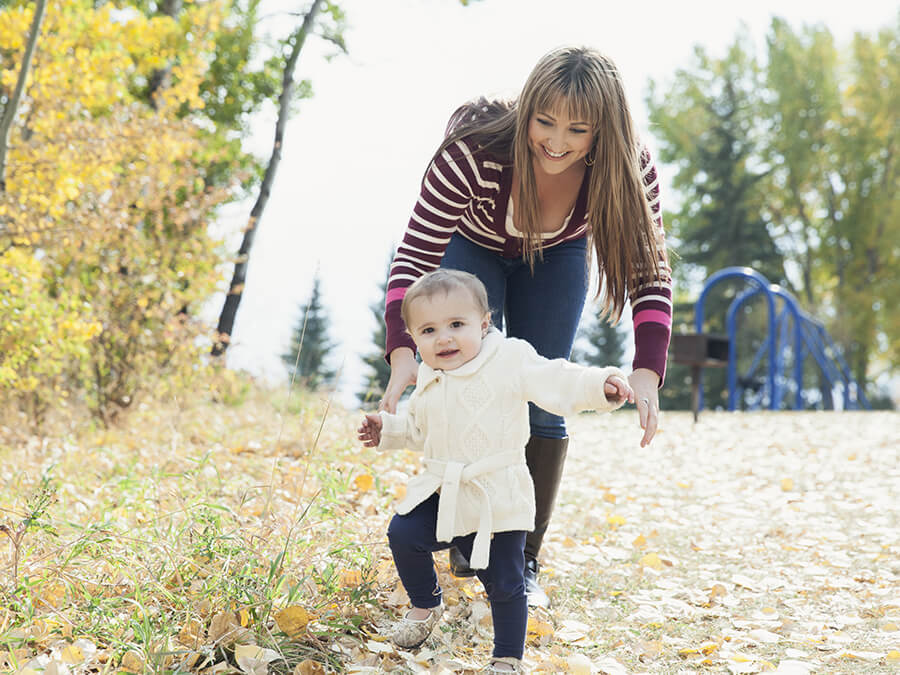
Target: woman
column 518, row 194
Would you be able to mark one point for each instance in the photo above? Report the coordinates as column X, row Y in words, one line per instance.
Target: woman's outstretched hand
column 404, row 369
column 645, row 384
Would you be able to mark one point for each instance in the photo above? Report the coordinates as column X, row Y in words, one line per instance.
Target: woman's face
column 558, row 142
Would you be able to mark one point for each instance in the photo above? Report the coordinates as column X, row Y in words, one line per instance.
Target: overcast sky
column 355, row 153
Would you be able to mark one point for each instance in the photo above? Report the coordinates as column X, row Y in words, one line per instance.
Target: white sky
column 355, row 153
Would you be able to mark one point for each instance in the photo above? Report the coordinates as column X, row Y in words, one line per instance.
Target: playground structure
column 792, row 335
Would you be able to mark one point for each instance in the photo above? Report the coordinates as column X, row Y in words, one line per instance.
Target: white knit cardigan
column 472, row 424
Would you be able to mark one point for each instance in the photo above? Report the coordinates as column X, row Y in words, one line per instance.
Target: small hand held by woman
column 645, row 384
column 618, row 390
column 404, row 369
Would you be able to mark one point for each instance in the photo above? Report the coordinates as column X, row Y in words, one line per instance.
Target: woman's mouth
column 549, row 154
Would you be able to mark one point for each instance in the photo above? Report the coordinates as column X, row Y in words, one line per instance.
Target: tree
column 12, row 101
column 236, row 288
column 835, row 181
column 308, row 356
column 791, row 168
column 379, row 370
column 708, row 127
column 605, row 343
column 103, row 210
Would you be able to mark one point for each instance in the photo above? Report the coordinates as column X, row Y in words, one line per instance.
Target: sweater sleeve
column 401, row 431
column 562, row 387
column 651, row 304
column 447, row 191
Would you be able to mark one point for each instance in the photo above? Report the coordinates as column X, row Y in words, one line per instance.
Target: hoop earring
column 593, row 159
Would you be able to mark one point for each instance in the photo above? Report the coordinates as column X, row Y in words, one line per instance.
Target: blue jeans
column 543, row 308
column 412, row 538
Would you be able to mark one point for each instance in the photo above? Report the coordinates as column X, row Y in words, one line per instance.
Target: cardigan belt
column 454, row 473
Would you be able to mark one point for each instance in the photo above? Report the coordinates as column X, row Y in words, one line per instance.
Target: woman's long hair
column 626, row 242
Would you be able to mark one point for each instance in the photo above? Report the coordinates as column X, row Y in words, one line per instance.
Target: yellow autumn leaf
column 538, row 629
column 651, row 560
column 609, row 497
column 71, row 654
column 132, row 662
column 892, row 656
column 364, row 482
column 787, row 484
column 890, row 626
column 292, row 620
column 243, row 617
column 350, row 578
column 309, row 667
column 639, row 541
column 615, row 520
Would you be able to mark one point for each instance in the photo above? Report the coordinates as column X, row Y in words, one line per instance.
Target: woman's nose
column 556, row 141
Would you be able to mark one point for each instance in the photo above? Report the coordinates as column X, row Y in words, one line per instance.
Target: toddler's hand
column 618, row 390
column 370, row 430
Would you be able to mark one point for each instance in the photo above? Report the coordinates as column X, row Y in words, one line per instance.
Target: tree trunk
column 9, row 112
column 236, row 289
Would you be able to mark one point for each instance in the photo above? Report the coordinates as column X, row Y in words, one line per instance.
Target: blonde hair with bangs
column 626, row 242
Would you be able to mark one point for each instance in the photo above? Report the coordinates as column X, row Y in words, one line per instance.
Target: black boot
column 546, row 458
column 459, row 566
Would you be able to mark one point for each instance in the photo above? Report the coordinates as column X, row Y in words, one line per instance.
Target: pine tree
column 379, row 370
column 311, row 339
column 606, row 344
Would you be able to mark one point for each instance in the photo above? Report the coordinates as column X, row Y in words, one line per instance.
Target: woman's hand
column 645, row 384
column 404, row 369
column 369, row 431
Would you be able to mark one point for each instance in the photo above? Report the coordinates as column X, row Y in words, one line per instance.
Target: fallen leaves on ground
column 745, row 543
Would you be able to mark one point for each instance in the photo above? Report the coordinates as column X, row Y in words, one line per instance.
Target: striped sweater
column 469, row 192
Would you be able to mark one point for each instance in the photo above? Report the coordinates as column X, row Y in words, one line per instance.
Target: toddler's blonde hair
column 443, row 281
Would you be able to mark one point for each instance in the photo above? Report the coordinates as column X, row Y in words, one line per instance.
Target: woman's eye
column 544, row 123
column 579, row 131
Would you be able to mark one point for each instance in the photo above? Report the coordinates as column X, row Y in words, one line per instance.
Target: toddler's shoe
column 504, row 665
column 410, row 633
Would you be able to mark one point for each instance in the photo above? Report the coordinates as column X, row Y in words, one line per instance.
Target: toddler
column 469, row 415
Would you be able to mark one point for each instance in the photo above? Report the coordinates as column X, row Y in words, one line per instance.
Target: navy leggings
column 541, row 308
column 412, row 538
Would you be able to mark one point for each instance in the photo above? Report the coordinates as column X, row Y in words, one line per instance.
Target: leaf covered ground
column 205, row 537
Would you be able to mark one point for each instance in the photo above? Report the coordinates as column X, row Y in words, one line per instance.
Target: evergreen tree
column 311, row 339
column 605, row 342
column 379, row 370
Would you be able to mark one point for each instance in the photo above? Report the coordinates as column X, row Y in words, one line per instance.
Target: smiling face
column 447, row 328
column 557, row 141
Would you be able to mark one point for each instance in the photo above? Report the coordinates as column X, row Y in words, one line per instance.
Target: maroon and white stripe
column 462, row 192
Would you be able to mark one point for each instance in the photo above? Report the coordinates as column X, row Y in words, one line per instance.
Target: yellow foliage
column 106, row 188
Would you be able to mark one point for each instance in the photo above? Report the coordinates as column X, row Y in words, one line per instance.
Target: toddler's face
column 447, row 329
